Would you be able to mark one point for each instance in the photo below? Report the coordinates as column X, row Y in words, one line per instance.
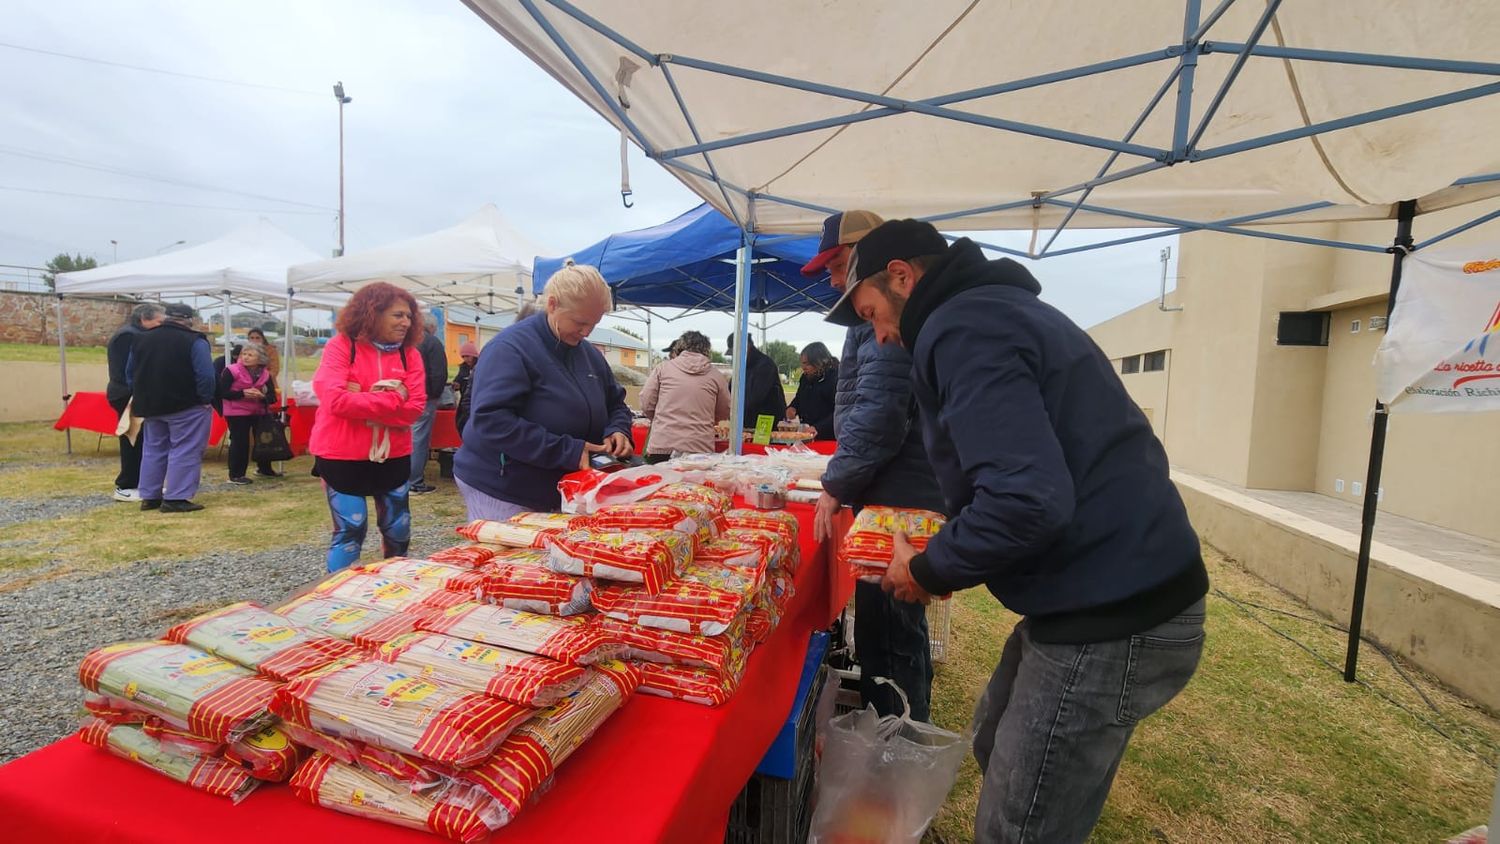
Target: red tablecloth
column 444, row 430
column 659, row 770
column 91, row 412
column 639, row 433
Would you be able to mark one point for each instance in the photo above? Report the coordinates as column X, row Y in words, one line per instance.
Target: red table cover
column 91, row 412
column 659, row 770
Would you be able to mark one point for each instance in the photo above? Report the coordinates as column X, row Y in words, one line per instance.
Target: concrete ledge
column 1443, row 619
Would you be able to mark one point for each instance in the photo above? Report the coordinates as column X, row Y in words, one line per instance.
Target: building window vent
column 1130, row 364
column 1155, row 361
column 1354, row 327
column 1302, row 328
column 1377, row 323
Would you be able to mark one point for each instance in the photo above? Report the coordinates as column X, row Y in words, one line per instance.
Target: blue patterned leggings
column 351, row 520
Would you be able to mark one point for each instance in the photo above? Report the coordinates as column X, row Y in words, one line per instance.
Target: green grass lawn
column 43, row 353
column 1267, row 744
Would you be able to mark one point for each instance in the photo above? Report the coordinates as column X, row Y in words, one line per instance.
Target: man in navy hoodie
column 1063, row 509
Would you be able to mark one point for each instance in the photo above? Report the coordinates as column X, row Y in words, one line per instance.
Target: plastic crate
column 781, row 759
column 940, row 628
column 771, row 810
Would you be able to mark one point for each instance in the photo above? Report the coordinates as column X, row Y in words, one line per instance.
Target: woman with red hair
column 370, row 390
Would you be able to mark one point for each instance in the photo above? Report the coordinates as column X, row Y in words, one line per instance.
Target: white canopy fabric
column 478, row 263
column 864, row 68
column 250, row 262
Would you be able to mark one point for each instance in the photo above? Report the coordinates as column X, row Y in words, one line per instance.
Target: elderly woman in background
column 545, row 401
column 370, row 387
column 247, row 389
column 273, row 355
column 813, row 404
column 683, row 398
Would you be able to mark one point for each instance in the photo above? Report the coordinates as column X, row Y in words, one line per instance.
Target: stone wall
column 32, row 318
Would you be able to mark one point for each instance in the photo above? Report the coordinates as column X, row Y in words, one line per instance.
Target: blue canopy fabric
column 689, row 263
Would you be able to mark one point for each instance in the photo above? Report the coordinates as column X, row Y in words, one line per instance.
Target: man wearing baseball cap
column 880, row 461
column 1063, row 509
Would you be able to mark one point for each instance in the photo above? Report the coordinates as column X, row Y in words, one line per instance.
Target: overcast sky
column 446, row 116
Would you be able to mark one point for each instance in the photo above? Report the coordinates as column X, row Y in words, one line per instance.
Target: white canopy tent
column 248, row 263
column 1043, row 116
column 482, row 263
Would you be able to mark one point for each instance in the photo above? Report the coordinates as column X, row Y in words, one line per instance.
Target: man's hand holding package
column 898, row 580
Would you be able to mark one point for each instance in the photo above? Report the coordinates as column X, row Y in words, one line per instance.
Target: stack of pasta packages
column 687, row 585
column 870, row 543
column 386, row 691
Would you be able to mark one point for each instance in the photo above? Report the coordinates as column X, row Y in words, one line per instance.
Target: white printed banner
column 1441, row 353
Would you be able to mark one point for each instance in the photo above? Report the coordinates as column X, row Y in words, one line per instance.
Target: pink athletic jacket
column 348, row 422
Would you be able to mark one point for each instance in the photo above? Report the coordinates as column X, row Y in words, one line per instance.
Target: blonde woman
column 544, row 402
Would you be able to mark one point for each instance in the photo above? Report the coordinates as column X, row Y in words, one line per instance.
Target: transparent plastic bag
column 883, row 779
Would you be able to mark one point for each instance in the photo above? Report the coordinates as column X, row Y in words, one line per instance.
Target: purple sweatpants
column 172, row 453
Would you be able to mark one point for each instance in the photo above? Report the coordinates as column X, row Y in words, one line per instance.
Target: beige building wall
column 31, row 391
column 1234, row 405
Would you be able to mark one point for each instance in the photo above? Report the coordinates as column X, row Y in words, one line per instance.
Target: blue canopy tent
column 1229, row 117
column 691, row 263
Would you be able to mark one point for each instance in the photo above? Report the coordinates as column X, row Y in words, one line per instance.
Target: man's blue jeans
column 1051, row 727
column 421, row 442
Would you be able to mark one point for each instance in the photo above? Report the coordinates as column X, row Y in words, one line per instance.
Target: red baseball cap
column 842, row 229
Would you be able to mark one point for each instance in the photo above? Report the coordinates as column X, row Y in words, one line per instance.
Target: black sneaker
column 271, row 474
column 150, row 503
column 178, row 505
column 422, row 489
column 241, row 481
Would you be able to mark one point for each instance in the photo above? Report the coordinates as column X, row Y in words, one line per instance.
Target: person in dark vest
column 143, row 318
column 435, row 367
column 247, row 389
column 171, row 374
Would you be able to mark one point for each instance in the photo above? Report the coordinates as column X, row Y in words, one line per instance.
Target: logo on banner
column 1480, row 368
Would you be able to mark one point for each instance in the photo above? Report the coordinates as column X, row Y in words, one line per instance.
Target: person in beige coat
column 683, row 398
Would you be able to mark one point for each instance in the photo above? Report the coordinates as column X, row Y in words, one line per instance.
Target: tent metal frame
column 1183, row 58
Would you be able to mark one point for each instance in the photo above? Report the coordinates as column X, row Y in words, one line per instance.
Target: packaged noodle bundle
column 684, row 491
column 341, row 749
column 425, row 572
column 761, row 622
column 381, row 592
column 648, row 557
column 499, row 672
column 268, row 755
column 533, row 752
column 750, row 556
column 569, row 640
column 460, row 814
column 737, row 581
column 189, row 689
column 205, row 773
column 418, row 774
column 694, row 685
column 647, row 515
column 176, row 738
column 384, row 705
column 670, row 648
column 468, row 556
column 521, row 580
column 776, row 594
column 776, row 546
column 523, row 530
column 779, row 522
column 251, row 635
column 870, row 542
column 683, row 606
column 363, row 625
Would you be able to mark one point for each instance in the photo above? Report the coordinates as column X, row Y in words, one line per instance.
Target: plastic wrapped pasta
column 378, row 591
column 670, row 648
column 683, row 606
column 208, row 774
column 268, row 755
column 499, row 672
column 188, row 688
column 695, row 685
column 523, row 530
column 568, row 640
column 647, row 557
column 748, row 556
column 251, row 635
column 776, row 594
column 645, row 515
column 381, row 704
column 468, row 556
column 418, row 774
column 425, row 572
column 458, row 814
column 522, row 580
column 778, row 548
column 528, row 759
column 761, row 622
column 868, row 546
column 779, row 522
column 365, row 626
column 343, row 750
column 176, row 738
column 684, row 491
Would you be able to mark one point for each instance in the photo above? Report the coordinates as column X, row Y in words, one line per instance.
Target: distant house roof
column 600, row 336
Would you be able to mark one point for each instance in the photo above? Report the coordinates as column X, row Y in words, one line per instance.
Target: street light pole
column 114, row 246
column 168, row 246
column 338, row 94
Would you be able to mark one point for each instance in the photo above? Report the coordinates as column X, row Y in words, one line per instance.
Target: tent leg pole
column 741, row 344
column 226, row 328
column 62, row 367
column 1406, row 210
column 650, row 347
